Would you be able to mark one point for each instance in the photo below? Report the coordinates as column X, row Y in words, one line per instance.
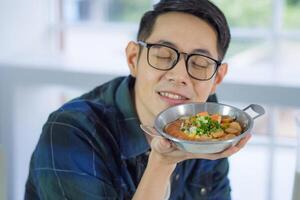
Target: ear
column 220, row 74
column 132, row 53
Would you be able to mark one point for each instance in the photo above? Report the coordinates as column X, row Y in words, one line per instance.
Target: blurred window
column 124, row 11
column 92, row 32
column 127, row 10
column 246, row 13
column 292, row 14
column 88, row 25
column 95, row 34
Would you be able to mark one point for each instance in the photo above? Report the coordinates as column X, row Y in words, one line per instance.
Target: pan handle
column 149, row 130
column 256, row 108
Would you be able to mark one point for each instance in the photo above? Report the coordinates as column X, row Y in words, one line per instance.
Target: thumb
column 161, row 145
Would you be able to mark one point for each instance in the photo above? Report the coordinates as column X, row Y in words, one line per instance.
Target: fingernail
column 165, row 143
column 235, row 149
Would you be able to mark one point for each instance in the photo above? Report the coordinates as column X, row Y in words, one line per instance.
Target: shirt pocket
column 201, row 185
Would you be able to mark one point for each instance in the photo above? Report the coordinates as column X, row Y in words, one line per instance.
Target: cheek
column 148, row 75
column 202, row 90
column 147, row 79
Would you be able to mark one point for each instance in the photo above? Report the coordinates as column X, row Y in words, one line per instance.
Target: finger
column 243, row 141
column 228, row 152
column 161, row 145
column 213, row 156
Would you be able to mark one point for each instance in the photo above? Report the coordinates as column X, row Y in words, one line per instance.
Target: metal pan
column 175, row 112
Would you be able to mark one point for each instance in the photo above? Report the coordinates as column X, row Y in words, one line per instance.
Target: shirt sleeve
column 71, row 162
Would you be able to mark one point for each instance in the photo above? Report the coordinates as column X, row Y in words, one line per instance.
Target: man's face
column 156, row 90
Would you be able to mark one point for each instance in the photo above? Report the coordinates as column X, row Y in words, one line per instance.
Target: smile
column 172, row 96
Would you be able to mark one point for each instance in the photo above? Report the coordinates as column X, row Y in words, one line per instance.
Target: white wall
column 23, row 27
column 2, row 179
column 24, row 31
column 26, row 99
column 30, row 102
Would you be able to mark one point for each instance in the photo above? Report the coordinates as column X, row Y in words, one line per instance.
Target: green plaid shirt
column 92, row 148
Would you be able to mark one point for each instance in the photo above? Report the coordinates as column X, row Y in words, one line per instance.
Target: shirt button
column 203, row 191
column 177, row 177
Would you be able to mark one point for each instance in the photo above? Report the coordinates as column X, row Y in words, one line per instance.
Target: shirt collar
column 132, row 139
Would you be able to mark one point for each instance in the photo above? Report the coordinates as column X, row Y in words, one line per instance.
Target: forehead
column 185, row 31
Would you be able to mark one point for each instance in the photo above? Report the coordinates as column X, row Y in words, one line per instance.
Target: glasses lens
column 201, row 67
column 162, row 57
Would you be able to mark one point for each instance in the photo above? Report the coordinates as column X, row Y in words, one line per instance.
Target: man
column 93, row 147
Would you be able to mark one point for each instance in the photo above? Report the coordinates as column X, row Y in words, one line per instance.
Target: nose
column 178, row 74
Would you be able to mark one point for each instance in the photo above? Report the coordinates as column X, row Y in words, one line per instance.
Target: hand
column 165, row 151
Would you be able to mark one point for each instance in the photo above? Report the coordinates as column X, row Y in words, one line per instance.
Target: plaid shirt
column 93, row 148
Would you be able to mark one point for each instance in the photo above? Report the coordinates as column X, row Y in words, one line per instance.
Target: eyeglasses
column 163, row 57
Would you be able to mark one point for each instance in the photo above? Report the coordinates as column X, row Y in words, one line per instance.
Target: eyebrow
column 201, row 51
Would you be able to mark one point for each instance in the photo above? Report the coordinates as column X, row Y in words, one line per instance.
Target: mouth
column 172, row 98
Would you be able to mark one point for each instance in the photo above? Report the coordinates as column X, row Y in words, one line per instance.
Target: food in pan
column 204, row 127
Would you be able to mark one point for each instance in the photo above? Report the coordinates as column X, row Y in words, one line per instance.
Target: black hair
column 203, row 9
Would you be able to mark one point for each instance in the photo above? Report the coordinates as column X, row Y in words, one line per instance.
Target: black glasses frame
column 186, row 58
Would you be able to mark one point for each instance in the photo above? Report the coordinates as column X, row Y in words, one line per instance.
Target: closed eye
column 200, row 66
column 164, row 58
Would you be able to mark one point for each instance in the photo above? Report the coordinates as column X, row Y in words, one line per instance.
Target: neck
column 145, row 116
